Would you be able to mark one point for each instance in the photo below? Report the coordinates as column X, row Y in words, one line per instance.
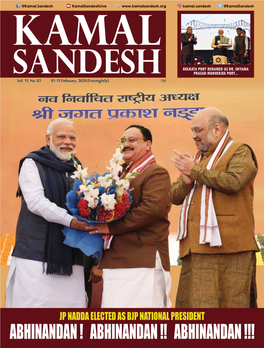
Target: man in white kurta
column 28, row 284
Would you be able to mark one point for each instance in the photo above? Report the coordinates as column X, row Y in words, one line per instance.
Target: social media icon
column 68, row 5
column 179, row 5
column 17, row 5
column 220, row 5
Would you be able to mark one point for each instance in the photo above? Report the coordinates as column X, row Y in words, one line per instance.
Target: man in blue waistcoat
column 44, row 272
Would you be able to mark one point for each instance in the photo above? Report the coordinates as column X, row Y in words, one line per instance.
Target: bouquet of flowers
column 97, row 199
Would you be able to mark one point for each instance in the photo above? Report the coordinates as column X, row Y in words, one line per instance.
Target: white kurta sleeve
column 33, row 193
column 246, row 42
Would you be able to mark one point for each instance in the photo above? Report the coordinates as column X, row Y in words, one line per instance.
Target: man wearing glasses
column 136, row 266
column 216, row 228
column 44, row 272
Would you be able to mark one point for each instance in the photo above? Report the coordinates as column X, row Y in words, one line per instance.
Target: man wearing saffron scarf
column 136, row 266
column 44, row 272
column 216, row 228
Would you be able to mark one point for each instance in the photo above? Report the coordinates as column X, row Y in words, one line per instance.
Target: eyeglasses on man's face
column 131, row 140
column 198, row 130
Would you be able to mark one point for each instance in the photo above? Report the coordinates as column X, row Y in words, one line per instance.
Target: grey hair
column 188, row 28
column 55, row 122
column 220, row 119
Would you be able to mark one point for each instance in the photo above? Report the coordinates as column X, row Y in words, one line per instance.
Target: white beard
column 63, row 156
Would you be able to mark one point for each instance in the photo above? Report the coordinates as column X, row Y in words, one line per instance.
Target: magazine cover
column 131, row 172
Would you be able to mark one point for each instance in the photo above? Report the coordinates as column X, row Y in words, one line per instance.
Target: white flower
column 92, row 201
column 91, row 196
column 115, row 167
column 94, row 192
column 120, row 190
column 114, row 174
column 115, row 171
column 75, row 175
column 84, row 172
column 108, row 201
column 118, row 156
column 105, row 181
column 114, row 163
column 80, row 173
column 83, row 188
column 122, row 185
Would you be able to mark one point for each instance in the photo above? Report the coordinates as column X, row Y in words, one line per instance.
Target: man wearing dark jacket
column 188, row 40
column 240, row 47
column 44, row 272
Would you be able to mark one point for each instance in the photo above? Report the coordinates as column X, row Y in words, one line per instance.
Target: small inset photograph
column 215, row 44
